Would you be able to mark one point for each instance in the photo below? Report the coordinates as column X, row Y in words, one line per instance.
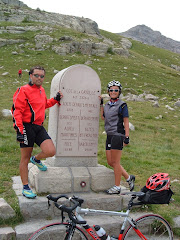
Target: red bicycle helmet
column 158, row 182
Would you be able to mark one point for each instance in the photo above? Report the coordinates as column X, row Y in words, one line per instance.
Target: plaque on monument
column 74, row 125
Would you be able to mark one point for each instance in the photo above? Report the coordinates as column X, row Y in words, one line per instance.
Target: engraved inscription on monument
column 79, row 123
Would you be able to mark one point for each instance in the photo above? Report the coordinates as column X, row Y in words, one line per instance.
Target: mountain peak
column 145, row 34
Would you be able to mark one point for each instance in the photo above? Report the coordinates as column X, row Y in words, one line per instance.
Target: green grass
column 154, row 145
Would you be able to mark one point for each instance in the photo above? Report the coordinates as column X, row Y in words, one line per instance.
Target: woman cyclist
column 116, row 118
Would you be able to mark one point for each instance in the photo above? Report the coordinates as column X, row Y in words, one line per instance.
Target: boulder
column 6, row 113
column 177, row 104
column 88, row 62
column 85, row 48
column 169, row 108
column 133, row 97
column 156, row 104
column 131, row 127
column 15, row 29
column 105, row 97
column 6, row 210
column 63, row 49
column 42, row 40
column 149, row 97
column 7, row 233
column 4, row 42
column 126, row 44
column 177, row 68
column 99, row 49
column 121, row 51
column 65, row 38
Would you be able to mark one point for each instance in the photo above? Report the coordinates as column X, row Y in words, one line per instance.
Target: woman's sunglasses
column 114, row 90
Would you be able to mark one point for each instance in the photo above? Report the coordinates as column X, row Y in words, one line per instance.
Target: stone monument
column 75, row 134
column 73, row 127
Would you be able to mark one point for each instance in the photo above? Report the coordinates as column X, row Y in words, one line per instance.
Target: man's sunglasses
column 37, row 75
column 114, row 90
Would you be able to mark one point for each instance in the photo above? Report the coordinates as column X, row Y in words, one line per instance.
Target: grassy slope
column 155, row 142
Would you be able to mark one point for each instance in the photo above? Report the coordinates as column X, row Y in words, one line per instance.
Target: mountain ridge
column 22, row 12
column 145, row 34
column 17, row 12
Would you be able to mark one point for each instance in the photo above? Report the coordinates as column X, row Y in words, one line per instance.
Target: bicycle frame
column 148, row 224
column 125, row 215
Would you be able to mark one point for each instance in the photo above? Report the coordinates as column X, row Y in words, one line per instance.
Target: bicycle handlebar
column 54, row 199
column 76, row 202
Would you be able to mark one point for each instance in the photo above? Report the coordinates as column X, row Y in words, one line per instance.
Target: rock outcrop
column 65, row 44
column 13, row 3
column 16, row 11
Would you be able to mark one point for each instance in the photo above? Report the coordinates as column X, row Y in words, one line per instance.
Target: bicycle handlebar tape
column 54, row 199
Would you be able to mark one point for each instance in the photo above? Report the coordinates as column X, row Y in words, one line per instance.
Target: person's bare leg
column 113, row 159
column 115, row 162
column 47, row 150
column 108, row 157
column 124, row 173
column 23, row 167
column 110, row 162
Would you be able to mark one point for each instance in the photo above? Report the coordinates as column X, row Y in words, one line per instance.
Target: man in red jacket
column 28, row 110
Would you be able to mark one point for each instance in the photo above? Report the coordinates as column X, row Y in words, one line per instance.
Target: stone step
column 38, row 208
column 7, row 233
column 112, row 225
column 36, row 212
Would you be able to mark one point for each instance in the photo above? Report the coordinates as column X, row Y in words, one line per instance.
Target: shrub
column 110, row 50
column 26, row 19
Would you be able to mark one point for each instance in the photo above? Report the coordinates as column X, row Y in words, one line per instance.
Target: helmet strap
column 114, row 99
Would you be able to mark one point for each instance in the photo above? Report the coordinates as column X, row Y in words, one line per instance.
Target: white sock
column 118, row 187
column 127, row 180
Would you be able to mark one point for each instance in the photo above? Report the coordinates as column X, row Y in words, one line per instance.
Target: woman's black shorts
column 114, row 142
column 33, row 134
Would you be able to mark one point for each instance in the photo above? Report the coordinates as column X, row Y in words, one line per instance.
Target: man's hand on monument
column 58, row 96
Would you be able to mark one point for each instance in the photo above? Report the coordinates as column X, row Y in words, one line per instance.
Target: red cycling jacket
column 29, row 104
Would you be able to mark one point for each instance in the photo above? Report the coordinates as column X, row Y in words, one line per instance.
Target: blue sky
column 120, row 15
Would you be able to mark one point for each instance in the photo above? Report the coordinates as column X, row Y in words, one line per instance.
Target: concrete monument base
column 71, row 179
column 87, row 161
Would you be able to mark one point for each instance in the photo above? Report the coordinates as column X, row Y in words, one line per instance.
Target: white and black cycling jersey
column 114, row 112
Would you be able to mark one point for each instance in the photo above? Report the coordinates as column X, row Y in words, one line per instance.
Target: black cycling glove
column 101, row 103
column 20, row 137
column 58, row 97
column 126, row 140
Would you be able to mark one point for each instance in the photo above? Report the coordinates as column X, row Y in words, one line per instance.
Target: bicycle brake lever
column 49, row 204
column 62, row 216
